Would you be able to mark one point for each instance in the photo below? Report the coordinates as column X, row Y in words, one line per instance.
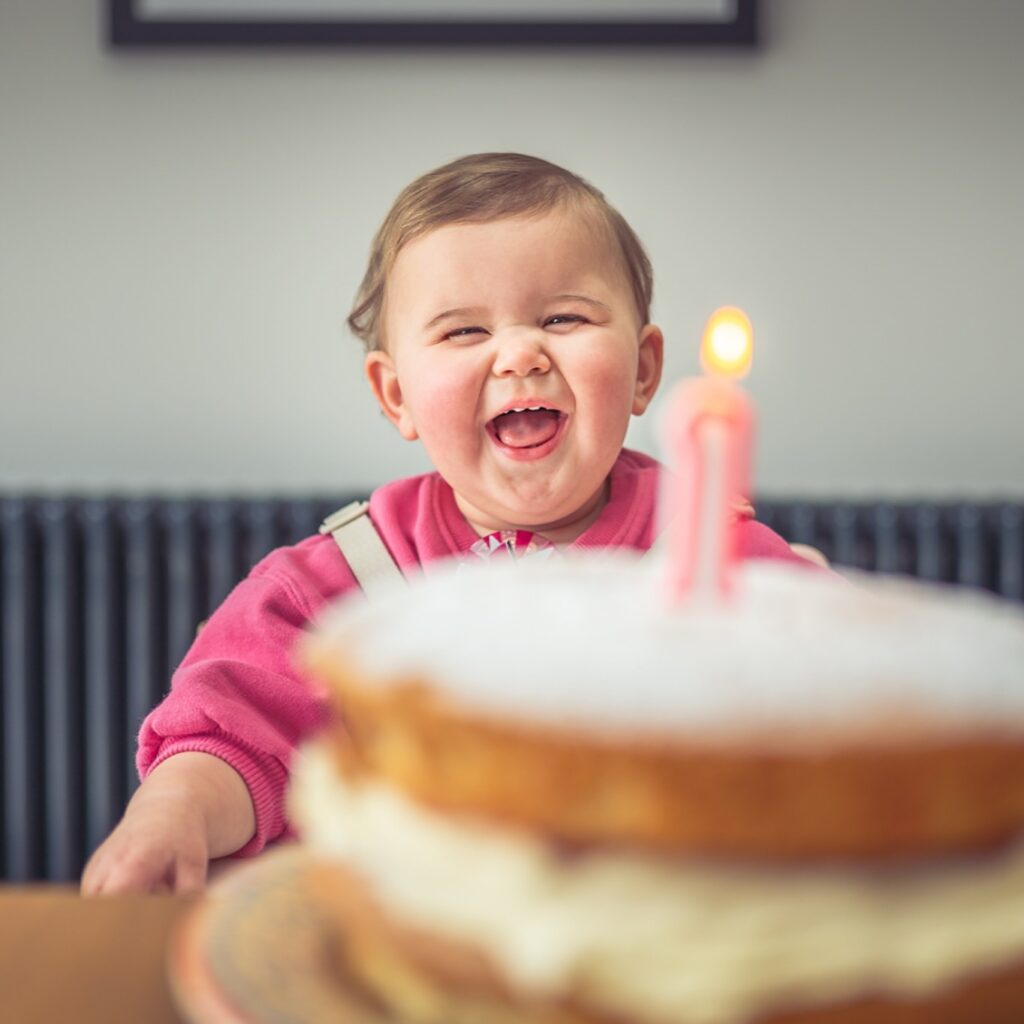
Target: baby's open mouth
column 528, row 427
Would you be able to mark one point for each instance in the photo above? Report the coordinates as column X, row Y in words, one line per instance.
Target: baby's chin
column 561, row 522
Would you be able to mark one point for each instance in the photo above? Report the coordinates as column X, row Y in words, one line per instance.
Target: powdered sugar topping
column 589, row 641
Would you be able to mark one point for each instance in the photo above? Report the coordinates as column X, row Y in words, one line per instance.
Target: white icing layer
column 659, row 940
column 590, row 641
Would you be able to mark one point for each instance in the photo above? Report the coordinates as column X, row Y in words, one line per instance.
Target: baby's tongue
column 526, row 429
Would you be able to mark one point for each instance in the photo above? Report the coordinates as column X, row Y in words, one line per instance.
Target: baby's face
column 519, row 314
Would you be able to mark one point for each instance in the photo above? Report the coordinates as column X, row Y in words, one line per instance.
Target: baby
column 505, row 313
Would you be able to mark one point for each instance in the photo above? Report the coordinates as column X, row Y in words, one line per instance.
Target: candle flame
column 727, row 346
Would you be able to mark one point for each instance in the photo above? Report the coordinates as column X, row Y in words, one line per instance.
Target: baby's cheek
column 446, row 405
column 610, row 375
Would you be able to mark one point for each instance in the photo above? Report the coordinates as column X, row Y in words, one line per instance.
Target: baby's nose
column 521, row 353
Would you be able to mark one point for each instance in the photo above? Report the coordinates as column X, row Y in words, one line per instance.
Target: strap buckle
column 349, row 513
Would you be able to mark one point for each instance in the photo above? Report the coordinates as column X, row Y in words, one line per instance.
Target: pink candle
column 709, row 436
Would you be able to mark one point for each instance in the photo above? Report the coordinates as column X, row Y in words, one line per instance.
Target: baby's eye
column 564, row 318
column 463, row 332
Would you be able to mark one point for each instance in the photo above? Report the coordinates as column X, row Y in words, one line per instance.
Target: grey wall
column 182, row 234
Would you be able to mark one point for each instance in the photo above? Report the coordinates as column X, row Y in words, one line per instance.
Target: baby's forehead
column 468, row 264
column 558, row 251
column 565, row 219
column 542, row 255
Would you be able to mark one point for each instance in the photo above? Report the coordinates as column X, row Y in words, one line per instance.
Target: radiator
column 101, row 598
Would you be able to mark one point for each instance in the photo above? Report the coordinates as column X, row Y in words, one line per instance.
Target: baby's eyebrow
column 449, row 314
column 570, row 296
column 477, row 311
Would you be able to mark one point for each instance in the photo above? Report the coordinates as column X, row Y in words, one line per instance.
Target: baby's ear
column 650, row 359
column 383, row 377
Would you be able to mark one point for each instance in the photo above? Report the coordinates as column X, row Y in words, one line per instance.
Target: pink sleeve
column 759, row 541
column 238, row 696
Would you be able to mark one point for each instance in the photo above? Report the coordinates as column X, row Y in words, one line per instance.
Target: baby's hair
column 479, row 189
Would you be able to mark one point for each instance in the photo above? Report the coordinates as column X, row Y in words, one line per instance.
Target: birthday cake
column 550, row 796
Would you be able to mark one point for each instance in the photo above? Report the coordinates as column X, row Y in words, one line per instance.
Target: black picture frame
column 129, row 27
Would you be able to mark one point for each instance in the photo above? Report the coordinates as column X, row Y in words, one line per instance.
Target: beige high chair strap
column 370, row 561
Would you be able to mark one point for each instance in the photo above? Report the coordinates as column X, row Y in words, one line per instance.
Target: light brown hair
column 479, row 189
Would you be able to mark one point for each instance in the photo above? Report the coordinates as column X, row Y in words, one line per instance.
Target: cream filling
column 664, row 940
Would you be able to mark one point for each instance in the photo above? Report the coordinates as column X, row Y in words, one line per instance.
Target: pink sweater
column 237, row 694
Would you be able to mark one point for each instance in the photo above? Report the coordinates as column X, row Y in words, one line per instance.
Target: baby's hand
column 160, row 845
column 191, row 807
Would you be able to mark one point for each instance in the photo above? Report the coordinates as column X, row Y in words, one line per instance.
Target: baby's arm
column 189, row 809
column 214, row 755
